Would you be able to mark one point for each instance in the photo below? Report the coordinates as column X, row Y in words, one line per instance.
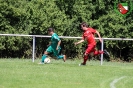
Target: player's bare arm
column 76, row 43
column 100, row 39
column 59, row 42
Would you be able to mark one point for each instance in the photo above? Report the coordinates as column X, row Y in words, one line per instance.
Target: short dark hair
column 84, row 24
column 50, row 29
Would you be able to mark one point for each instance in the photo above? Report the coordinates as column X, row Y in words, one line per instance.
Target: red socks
column 85, row 59
column 98, row 52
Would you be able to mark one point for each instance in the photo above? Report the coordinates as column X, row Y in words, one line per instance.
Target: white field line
column 112, row 84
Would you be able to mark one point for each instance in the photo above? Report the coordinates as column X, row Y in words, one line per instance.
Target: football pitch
column 23, row 73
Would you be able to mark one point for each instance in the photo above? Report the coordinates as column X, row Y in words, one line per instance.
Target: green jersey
column 54, row 40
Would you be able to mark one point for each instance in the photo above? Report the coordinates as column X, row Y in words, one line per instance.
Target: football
column 47, row 60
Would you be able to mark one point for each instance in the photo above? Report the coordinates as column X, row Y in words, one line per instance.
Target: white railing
column 46, row 36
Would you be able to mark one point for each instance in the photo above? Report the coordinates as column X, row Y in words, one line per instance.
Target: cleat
column 106, row 53
column 64, row 59
column 82, row 64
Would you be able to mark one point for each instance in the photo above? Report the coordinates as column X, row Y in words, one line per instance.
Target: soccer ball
column 47, row 60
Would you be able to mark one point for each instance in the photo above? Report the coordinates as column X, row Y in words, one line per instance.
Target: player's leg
column 56, row 53
column 48, row 50
column 62, row 57
column 97, row 52
column 44, row 56
column 87, row 52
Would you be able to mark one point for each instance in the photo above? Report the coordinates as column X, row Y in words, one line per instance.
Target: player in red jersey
column 88, row 35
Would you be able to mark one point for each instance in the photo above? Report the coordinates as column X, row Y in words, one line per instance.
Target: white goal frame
column 68, row 37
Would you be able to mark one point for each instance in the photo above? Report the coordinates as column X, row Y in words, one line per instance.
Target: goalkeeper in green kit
column 54, row 47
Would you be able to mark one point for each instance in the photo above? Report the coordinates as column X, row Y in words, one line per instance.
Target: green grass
column 23, row 73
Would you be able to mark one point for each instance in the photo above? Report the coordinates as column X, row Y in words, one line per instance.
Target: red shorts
column 90, row 48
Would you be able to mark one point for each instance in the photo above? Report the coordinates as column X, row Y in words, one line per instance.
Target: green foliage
column 35, row 16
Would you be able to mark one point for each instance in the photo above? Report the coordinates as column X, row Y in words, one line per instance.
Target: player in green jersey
column 54, row 46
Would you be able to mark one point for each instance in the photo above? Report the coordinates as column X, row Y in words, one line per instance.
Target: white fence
column 45, row 36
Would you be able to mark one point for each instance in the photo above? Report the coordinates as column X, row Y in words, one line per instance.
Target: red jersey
column 89, row 36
